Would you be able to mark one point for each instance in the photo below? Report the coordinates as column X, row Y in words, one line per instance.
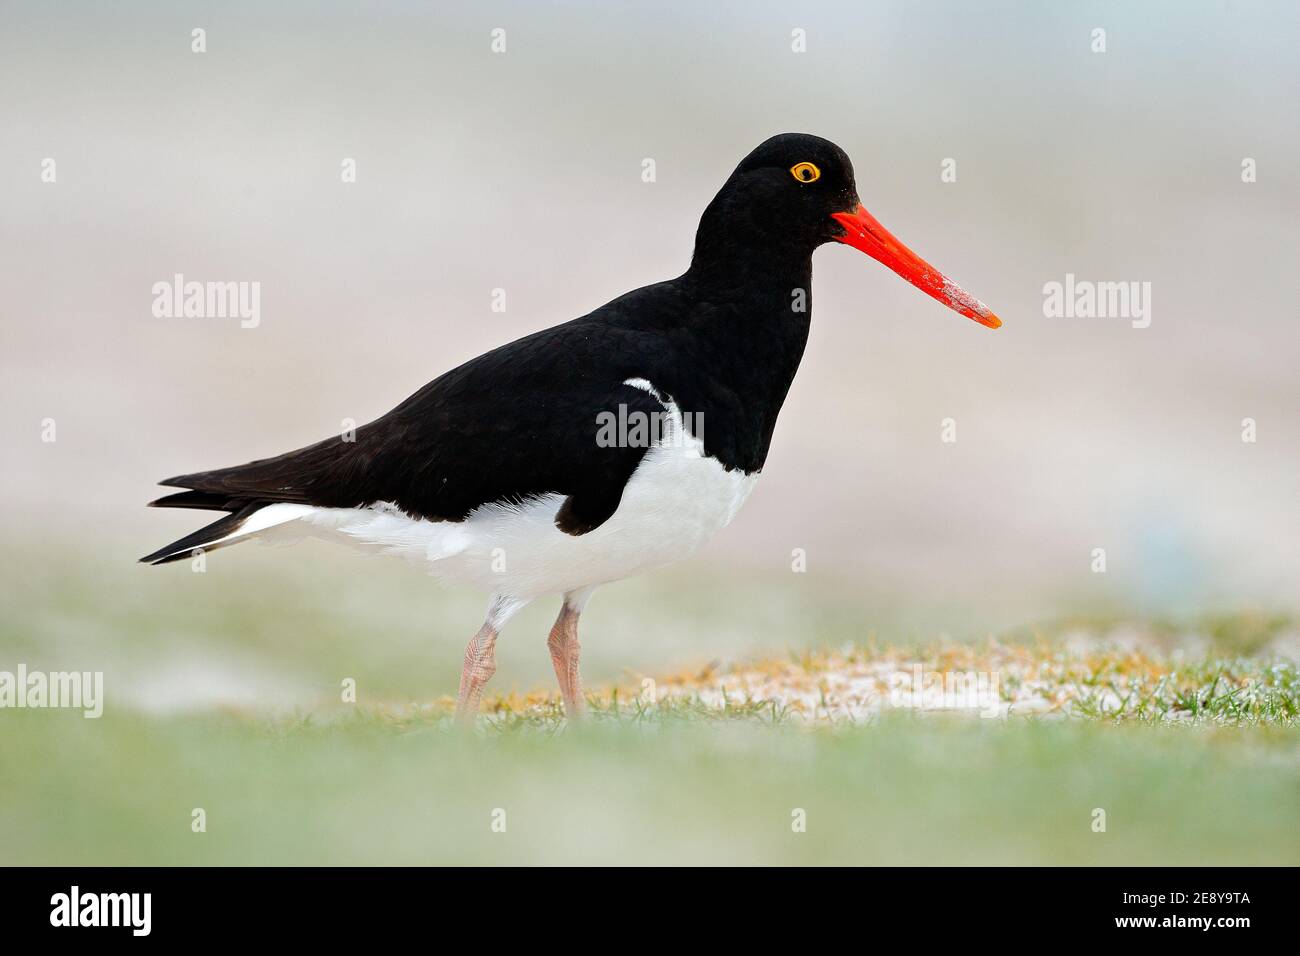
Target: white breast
column 674, row 502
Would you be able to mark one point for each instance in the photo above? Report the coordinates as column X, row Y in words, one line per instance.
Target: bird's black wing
column 520, row 421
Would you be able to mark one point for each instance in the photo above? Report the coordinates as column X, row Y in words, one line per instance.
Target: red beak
column 862, row 231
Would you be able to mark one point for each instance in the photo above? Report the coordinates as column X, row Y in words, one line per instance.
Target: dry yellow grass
column 990, row 680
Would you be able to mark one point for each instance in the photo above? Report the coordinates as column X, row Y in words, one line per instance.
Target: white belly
column 675, row 501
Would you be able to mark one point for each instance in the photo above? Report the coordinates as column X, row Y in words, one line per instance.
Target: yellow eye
column 805, row 172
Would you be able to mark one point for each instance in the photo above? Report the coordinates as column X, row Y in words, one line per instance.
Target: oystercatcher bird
column 590, row 451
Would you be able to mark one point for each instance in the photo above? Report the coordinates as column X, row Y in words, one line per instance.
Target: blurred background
column 521, row 171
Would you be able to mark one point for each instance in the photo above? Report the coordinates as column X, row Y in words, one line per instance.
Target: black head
column 790, row 195
column 782, row 196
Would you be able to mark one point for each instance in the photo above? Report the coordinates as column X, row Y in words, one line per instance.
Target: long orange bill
column 862, row 231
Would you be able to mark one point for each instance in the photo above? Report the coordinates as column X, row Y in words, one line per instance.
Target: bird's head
column 795, row 192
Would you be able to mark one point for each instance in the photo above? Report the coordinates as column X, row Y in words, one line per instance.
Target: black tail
column 205, row 500
column 291, row 478
column 209, row 536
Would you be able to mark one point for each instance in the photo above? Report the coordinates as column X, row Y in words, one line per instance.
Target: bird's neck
column 762, row 294
column 751, row 320
column 759, row 283
column 725, row 261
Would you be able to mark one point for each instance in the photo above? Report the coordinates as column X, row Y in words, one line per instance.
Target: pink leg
column 480, row 665
column 565, row 650
column 480, row 656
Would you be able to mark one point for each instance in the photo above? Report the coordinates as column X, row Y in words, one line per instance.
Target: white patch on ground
column 849, row 691
column 215, row 681
column 1001, row 681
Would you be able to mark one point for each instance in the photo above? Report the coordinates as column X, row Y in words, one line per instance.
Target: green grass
column 1227, row 691
column 1188, row 739
column 371, row 790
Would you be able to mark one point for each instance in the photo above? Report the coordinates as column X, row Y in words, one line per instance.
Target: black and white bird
column 504, row 473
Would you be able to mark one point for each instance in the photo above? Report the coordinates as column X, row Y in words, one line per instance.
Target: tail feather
column 203, row 500
column 208, row 537
column 251, row 519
